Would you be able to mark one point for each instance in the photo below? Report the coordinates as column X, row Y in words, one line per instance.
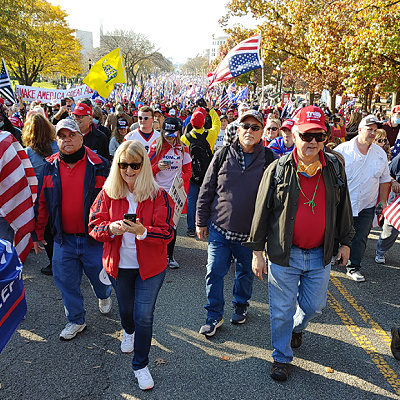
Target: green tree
column 35, row 39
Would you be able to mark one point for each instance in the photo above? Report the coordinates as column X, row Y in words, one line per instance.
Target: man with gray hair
column 369, row 179
column 232, row 128
column 70, row 182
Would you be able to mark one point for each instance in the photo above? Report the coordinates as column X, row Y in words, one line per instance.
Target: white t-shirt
column 220, row 140
column 166, row 177
column 364, row 173
column 127, row 251
column 136, row 135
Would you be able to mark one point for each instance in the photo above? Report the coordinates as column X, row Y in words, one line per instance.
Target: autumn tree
column 195, row 65
column 140, row 55
column 35, row 39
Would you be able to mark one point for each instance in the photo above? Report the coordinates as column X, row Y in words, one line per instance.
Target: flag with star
column 6, row 91
column 243, row 58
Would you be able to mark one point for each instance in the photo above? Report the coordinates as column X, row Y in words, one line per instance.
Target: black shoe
column 47, row 270
column 297, row 340
column 240, row 314
column 279, row 371
column 395, row 345
column 191, row 233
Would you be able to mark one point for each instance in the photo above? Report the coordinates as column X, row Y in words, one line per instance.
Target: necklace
column 310, row 202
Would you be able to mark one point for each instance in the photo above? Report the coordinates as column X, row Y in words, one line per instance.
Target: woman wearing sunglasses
column 170, row 158
column 381, row 141
column 132, row 215
column 271, row 130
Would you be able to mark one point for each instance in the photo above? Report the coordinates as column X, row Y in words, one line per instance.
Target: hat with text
column 82, row 109
column 67, row 123
column 252, row 113
column 288, row 124
column 122, row 124
column 369, row 120
column 396, row 109
column 171, row 127
column 172, row 112
column 310, row 117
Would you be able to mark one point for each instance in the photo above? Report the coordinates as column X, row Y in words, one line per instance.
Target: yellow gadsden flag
column 106, row 72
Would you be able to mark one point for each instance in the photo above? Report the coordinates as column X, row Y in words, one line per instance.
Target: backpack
column 221, row 156
column 201, row 154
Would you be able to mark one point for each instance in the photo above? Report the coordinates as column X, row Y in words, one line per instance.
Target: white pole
column 262, row 76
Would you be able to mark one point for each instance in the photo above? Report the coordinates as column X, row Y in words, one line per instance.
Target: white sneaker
column 144, row 378
column 172, row 263
column 380, row 259
column 105, row 305
column 356, row 276
column 71, row 330
column 128, row 342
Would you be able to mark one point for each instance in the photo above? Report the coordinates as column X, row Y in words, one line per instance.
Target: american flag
column 18, row 190
column 5, row 84
column 242, row 58
column 224, row 99
column 392, row 213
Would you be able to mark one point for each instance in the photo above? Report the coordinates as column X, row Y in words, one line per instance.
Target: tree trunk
column 332, row 101
column 312, row 98
column 395, row 98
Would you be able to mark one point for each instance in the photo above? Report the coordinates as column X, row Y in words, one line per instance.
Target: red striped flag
column 242, row 58
column 18, row 190
column 224, row 99
column 392, row 213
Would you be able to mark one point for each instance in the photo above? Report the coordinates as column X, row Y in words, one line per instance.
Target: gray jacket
column 227, row 196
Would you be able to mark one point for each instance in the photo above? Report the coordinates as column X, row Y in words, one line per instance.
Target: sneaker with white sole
column 380, row 259
column 105, row 305
column 172, row 263
column 210, row 327
column 356, row 276
column 128, row 342
column 71, row 330
column 144, row 378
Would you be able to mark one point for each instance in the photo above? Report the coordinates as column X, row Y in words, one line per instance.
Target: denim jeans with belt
column 136, row 303
column 297, row 293
column 76, row 255
column 220, row 251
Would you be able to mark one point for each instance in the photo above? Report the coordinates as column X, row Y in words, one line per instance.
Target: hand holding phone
column 130, row 217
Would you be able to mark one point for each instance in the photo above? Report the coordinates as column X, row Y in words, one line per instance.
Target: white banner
column 31, row 93
column 178, row 195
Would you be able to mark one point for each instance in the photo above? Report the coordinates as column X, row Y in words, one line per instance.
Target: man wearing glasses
column 226, row 205
column 145, row 134
column 92, row 137
column 302, row 206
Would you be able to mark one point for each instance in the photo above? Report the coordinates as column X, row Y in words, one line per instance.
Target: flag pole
column 262, row 74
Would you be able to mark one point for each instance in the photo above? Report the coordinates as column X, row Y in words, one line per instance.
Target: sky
column 179, row 29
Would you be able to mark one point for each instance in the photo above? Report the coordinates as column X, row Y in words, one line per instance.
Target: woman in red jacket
column 170, row 158
column 135, row 246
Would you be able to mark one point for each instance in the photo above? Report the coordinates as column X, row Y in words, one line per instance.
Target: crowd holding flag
column 6, row 90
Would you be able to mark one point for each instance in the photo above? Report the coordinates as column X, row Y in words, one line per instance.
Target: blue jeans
column 362, row 226
column 297, row 293
column 75, row 256
column 387, row 238
column 193, row 194
column 220, row 251
column 136, row 303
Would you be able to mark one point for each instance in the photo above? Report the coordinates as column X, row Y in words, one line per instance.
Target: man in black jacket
column 92, row 137
column 227, row 208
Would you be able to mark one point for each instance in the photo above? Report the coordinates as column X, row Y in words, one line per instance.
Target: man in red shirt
column 302, row 207
column 70, row 182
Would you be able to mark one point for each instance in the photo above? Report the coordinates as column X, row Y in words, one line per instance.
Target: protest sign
column 31, row 93
column 178, row 195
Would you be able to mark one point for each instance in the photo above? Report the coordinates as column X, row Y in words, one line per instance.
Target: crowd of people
column 291, row 197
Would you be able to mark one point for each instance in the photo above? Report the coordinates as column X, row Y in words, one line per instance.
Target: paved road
column 350, row 337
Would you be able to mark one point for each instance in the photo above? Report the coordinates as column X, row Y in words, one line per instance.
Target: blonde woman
column 132, row 215
column 382, row 141
column 271, row 130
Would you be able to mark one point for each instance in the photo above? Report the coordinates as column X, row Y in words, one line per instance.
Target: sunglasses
column 143, row 118
column 382, row 141
column 308, row 137
column 124, row 165
column 272, row 128
column 254, row 128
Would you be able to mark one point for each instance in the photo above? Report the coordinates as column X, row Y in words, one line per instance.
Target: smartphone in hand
column 130, row 217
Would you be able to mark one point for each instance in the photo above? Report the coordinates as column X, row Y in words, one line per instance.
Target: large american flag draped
column 18, row 190
column 6, row 91
column 243, row 58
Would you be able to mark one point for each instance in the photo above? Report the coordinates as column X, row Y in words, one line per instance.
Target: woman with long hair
column 352, row 125
column 132, row 215
column 169, row 159
column 39, row 138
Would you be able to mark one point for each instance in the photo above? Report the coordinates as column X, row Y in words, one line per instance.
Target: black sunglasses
column 124, row 165
column 272, row 128
column 382, row 140
column 308, row 137
column 254, row 128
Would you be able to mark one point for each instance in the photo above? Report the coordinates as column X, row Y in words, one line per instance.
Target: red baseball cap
column 82, row 109
column 135, row 113
column 310, row 117
column 288, row 124
column 395, row 109
column 198, row 118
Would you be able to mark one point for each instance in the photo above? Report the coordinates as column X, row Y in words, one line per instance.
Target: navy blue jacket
column 48, row 205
